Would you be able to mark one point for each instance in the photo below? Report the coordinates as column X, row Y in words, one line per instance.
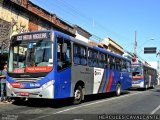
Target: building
column 153, row 64
column 18, row 16
column 107, row 44
column 23, row 16
column 81, row 34
column 112, row 46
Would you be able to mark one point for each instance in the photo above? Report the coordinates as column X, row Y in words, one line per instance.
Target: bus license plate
column 24, row 94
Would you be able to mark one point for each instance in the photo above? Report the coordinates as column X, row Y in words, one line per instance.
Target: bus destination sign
column 35, row 36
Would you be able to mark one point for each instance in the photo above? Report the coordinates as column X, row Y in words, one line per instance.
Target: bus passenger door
column 63, row 65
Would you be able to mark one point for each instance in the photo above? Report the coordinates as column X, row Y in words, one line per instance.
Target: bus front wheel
column 78, row 95
column 146, row 87
column 118, row 89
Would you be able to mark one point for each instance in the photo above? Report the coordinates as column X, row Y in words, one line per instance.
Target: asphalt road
column 94, row 107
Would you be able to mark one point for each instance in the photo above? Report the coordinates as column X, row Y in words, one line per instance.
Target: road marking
column 69, row 109
column 155, row 110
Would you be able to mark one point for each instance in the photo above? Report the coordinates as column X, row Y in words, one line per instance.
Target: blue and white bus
column 143, row 76
column 53, row 65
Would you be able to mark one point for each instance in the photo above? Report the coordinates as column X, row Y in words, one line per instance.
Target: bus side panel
column 150, row 80
column 63, row 83
column 154, row 81
column 146, row 81
column 110, row 81
column 103, row 82
column 83, row 74
column 129, row 81
column 126, row 81
column 116, row 79
column 106, row 80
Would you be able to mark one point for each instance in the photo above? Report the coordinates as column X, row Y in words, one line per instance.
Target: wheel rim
column 77, row 94
column 118, row 90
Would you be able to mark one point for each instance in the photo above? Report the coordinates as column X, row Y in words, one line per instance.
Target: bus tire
column 118, row 89
column 146, row 87
column 78, row 95
column 153, row 86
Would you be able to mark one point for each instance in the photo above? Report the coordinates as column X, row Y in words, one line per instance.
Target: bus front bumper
column 45, row 91
column 137, row 84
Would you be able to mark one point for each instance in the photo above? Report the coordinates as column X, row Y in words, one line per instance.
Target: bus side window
column 90, row 58
column 95, row 58
column 106, row 61
column 83, row 56
column 124, row 66
column 112, row 63
column 118, row 64
column 76, row 52
column 128, row 67
column 102, row 60
column 79, row 54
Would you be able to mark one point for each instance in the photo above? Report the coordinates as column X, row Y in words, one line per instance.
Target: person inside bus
column 67, row 59
column 63, row 60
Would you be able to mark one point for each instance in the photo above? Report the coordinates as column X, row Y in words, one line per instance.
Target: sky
column 117, row 19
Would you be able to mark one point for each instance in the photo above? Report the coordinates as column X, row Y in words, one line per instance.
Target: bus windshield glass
column 31, row 56
column 136, row 70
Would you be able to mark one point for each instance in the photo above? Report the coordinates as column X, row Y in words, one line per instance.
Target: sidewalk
column 6, row 102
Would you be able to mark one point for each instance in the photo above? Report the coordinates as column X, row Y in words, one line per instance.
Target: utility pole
column 158, row 55
column 135, row 44
column 135, row 48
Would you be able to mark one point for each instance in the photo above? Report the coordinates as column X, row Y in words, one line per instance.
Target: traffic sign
column 150, row 50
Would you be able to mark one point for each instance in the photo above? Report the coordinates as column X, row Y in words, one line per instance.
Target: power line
column 74, row 12
column 104, row 29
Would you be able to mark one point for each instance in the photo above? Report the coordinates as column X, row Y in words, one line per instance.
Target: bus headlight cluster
column 48, row 84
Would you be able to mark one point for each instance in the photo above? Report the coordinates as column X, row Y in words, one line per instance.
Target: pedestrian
column 3, row 83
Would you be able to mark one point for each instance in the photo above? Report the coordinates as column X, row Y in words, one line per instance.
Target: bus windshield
column 136, row 70
column 30, row 56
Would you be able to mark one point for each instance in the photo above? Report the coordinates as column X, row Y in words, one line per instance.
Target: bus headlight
column 141, row 84
column 48, row 84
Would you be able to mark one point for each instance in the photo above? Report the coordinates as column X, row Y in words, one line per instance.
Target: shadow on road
column 136, row 89
column 59, row 103
column 155, row 90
